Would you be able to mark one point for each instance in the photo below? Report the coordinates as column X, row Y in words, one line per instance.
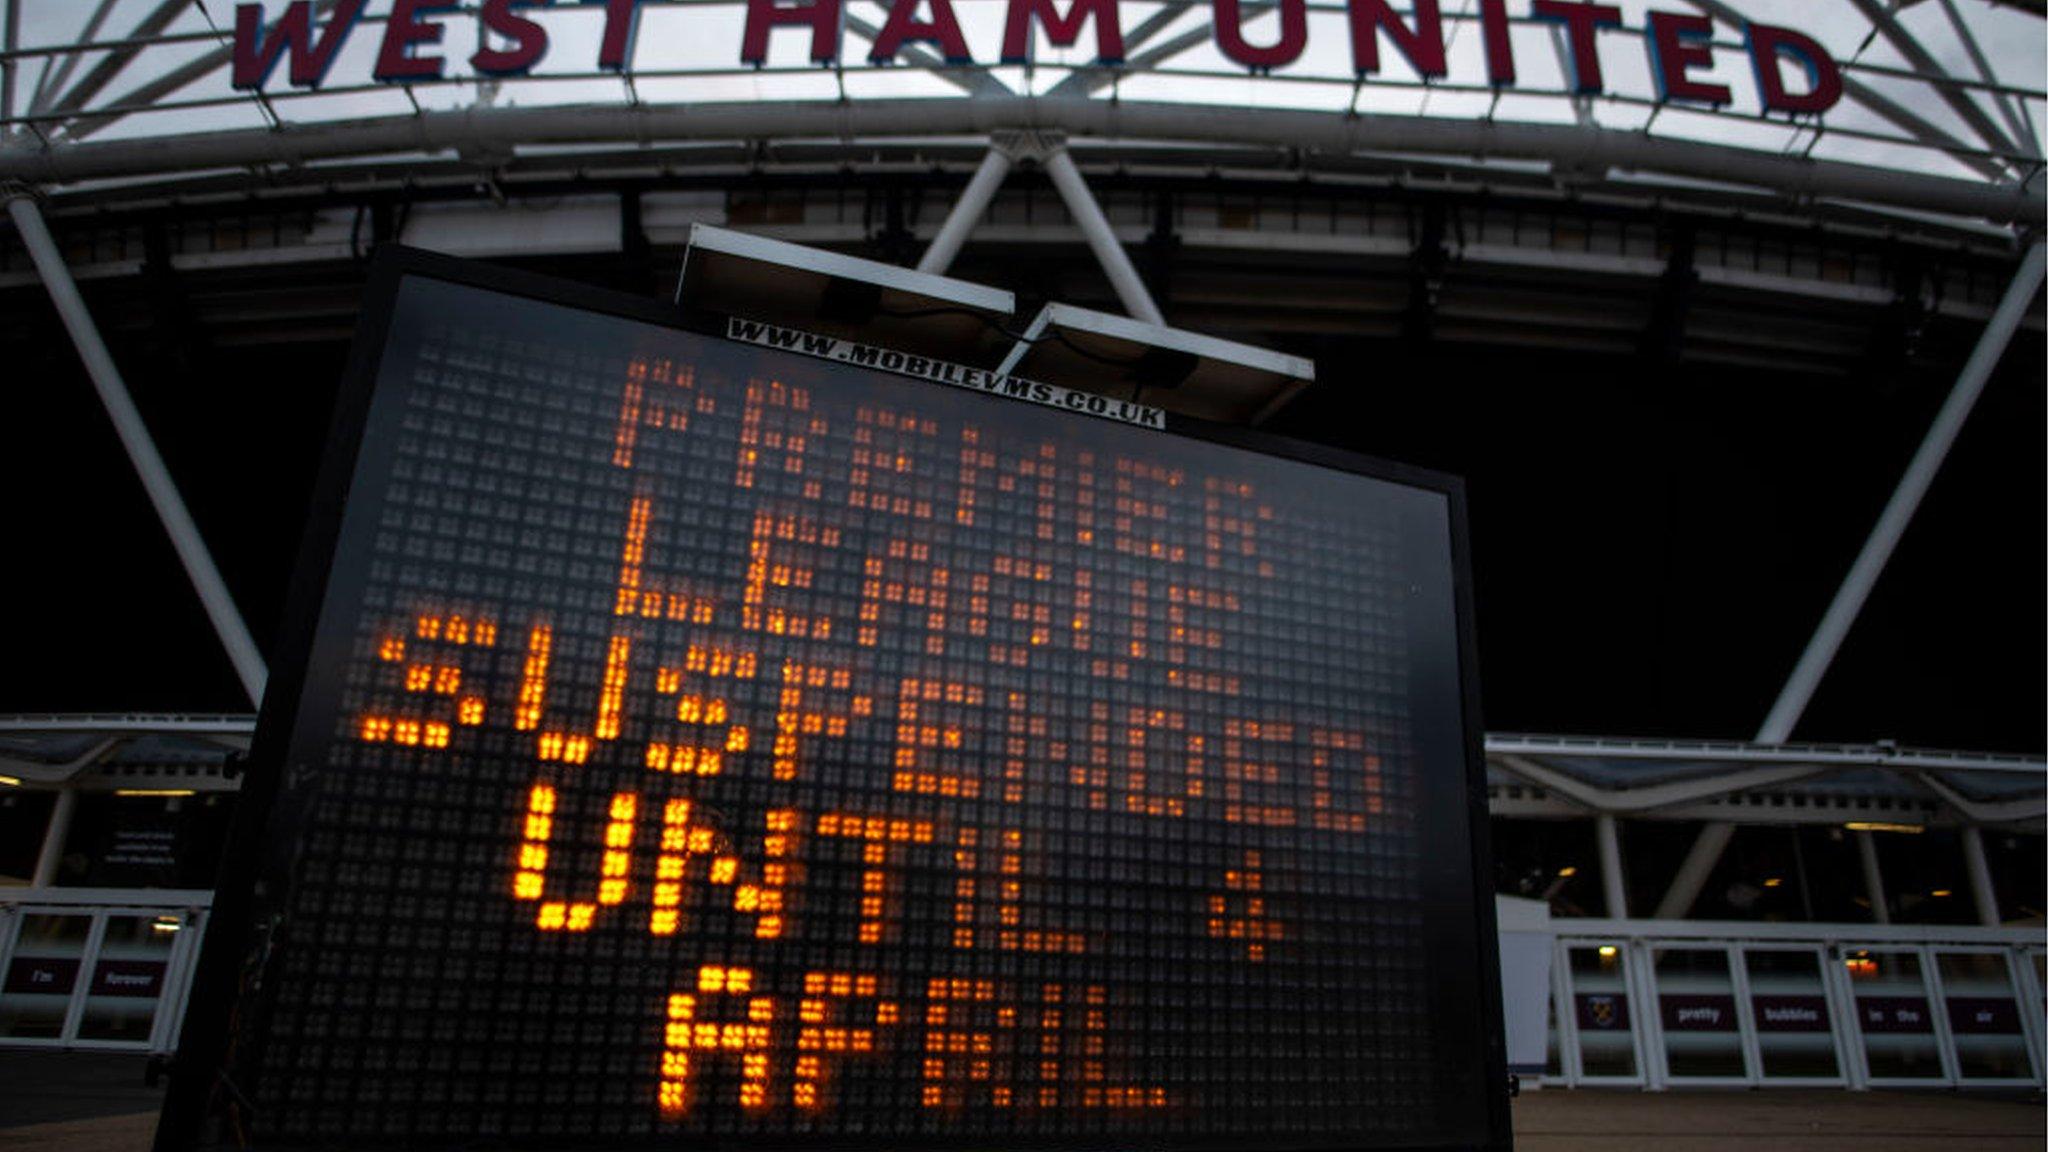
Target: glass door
column 1983, row 1010
column 44, row 959
column 1898, row 1033
column 1603, row 1018
column 95, row 977
column 1698, row 1025
column 1791, row 1015
column 129, row 977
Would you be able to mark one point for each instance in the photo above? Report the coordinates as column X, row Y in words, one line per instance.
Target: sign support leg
column 156, row 479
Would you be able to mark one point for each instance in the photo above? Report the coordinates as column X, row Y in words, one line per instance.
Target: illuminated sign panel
column 696, row 740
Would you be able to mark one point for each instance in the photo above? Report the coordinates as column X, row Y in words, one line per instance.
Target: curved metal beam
column 1655, row 796
column 1576, row 147
column 1883, row 756
column 40, row 772
column 2013, row 811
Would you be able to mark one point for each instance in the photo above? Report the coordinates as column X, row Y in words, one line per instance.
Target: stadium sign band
column 511, row 44
column 944, row 372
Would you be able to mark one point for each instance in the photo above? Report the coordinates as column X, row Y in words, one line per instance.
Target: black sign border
column 235, row 946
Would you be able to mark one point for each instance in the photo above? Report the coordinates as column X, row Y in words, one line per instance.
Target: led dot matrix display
column 703, row 742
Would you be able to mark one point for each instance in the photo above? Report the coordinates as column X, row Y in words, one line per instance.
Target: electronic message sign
column 692, row 742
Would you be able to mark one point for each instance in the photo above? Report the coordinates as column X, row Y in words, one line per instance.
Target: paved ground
column 43, row 1087
column 1553, row 1120
column 106, row 1134
column 80, row 1102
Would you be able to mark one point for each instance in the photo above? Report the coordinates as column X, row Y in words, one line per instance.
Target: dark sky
column 1653, row 544
column 1654, row 547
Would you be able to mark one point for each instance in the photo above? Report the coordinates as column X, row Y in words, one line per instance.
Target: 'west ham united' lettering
column 1679, row 44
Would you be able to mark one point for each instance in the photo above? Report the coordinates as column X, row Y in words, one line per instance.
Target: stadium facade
column 1851, row 194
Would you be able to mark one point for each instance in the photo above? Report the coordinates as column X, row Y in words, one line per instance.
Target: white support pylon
column 1884, row 538
column 1919, row 477
column 149, row 465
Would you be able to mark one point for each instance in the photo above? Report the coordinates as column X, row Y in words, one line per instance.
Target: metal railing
column 1650, row 1004
column 97, row 967
column 1662, row 1004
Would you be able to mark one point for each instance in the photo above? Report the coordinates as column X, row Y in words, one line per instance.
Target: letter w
column 256, row 55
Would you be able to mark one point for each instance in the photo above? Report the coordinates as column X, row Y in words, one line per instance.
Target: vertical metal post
column 2019, row 962
column 1564, row 1001
column 1582, row 107
column 1980, row 877
column 11, row 38
column 1101, row 239
column 1745, row 1014
column 1873, row 878
column 967, row 211
column 54, row 834
column 1851, row 1054
column 1645, row 1020
column 177, row 985
column 88, row 960
column 1891, row 525
column 156, row 479
column 1613, row 884
column 1692, row 874
column 1937, row 996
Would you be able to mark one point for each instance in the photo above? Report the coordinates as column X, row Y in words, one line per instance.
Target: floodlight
column 1180, row 371
column 739, row 274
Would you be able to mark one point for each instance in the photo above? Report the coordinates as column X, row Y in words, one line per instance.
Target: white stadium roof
column 1941, row 107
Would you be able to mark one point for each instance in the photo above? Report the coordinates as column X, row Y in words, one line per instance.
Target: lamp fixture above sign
column 1183, row 372
column 739, row 274
column 812, row 290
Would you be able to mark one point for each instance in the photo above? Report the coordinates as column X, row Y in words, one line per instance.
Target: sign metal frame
column 234, row 951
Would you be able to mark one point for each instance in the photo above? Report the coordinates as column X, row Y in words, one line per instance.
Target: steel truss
column 1960, row 144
